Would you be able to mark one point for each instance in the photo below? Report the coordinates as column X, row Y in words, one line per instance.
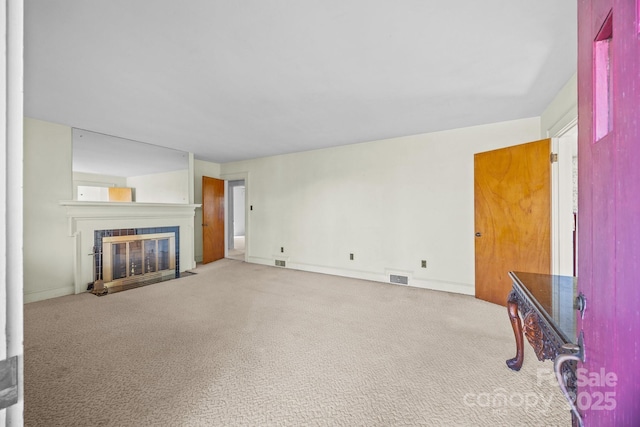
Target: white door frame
column 11, row 148
column 228, row 222
column 561, row 192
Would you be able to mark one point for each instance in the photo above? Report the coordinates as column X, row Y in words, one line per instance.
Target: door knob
column 478, row 234
column 580, row 304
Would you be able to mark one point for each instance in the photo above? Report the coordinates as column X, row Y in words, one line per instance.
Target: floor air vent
column 400, row 280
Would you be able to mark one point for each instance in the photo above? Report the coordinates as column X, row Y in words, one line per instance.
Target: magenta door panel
column 609, row 210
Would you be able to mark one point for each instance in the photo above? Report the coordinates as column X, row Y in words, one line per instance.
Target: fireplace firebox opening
column 132, row 258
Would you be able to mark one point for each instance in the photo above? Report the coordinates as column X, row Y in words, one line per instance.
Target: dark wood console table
column 549, row 306
column 549, row 316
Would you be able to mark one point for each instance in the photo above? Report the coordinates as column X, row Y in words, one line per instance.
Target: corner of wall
column 562, row 111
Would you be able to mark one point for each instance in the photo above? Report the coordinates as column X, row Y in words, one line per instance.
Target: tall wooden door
column 609, row 210
column 212, row 219
column 512, row 189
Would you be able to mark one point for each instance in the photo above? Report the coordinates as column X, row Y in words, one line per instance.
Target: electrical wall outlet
column 351, row 257
column 424, row 263
column 281, row 248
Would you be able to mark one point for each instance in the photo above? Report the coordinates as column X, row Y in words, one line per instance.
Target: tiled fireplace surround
column 90, row 221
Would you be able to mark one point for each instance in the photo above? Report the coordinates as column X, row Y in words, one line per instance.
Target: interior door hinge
column 553, row 157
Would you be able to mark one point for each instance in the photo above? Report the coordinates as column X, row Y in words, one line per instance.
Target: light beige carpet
column 238, row 249
column 247, row 345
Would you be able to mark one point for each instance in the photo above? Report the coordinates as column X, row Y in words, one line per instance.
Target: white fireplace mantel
column 86, row 217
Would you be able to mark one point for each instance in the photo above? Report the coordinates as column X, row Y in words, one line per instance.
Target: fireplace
column 90, row 222
column 128, row 258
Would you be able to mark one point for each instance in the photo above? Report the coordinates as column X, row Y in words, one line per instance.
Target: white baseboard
column 436, row 285
column 48, row 294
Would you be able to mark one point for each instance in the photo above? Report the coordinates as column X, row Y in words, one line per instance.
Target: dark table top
column 554, row 297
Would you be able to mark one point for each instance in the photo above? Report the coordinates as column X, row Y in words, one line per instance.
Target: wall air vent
column 280, row 263
column 399, row 280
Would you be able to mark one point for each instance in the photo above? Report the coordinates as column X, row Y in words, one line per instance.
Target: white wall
column 391, row 203
column 167, row 187
column 48, row 248
column 200, row 169
column 561, row 111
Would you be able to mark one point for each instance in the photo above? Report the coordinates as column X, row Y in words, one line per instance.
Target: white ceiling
column 232, row 80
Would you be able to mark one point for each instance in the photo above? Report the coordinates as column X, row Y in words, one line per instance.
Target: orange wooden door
column 512, row 188
column 212, row 219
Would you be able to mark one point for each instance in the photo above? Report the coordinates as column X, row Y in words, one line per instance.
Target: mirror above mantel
column 148, row 173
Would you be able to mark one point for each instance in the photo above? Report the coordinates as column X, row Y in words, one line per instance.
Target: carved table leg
column 516, row 324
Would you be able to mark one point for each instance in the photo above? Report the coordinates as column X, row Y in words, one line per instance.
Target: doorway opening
column 236, row 237
column 565, row 202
